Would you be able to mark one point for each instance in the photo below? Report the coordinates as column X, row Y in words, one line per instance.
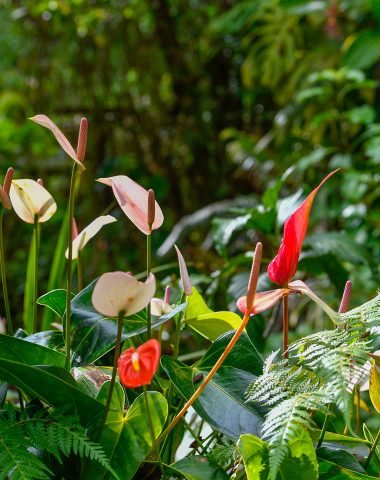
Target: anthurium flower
column 159, row 307
column 45, row 121
column 86, row 234
column 133, row 200
column 265, row 300
column 29, row 199
column 137, row 367
column 283, row 267
column 117, row 292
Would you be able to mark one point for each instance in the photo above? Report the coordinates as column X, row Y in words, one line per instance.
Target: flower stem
column 70, row 261
column 285, row 323
column 207, row 379
column 36, row 250
column 148, row 269
column 324, row 428
column 4, row 278
column 151, row 428
column 373, row 449
column 114, row 370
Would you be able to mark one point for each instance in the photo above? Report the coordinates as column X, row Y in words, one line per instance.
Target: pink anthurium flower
column 284, row 266
column 133, row 200
column 117, row 292
column 185, row 279
column 30, row 199
column 45, row 121
column 159, row 307
column 137, row 367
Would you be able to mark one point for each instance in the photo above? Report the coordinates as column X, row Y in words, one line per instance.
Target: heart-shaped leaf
column 198, row 468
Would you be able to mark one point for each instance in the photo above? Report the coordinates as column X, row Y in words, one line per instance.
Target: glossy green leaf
column 212, row 325
column 341, row 457
column 255, row 454
column 364, row 51
column 90, row 379
column 93, row 335
column 53, row 386
column 198, row 468
column 126, row 439
column 29, row 353
column 196, row 305
column 332, row 471
column 52, row 339
column 227, row 387
column 55, row 300
column 337, row 438
column 301, row 462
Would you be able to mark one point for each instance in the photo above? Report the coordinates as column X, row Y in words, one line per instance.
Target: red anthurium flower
column 137, row 366
column 283, row 267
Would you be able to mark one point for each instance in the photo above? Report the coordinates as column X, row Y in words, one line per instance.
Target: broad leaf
column 221, row 404
column 196, row 305
column 339, row 456
column 55, row 300
column 332, row 471
column 126, row 439
column 198, row 468
column 212, row 325
column 52, row 339
column 255, row 454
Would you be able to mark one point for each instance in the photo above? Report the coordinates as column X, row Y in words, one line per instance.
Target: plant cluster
column 95, row 398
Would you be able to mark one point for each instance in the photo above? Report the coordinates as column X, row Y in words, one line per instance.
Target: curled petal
column 263, row 301
column 301, row 287
column 133, row 200
column 4, row 199
column 159, row 307
column 185, row 279
column 29, row 198
column 45, row 121
column 283, row 267
column 115, row 292
column 137, row 367
column 90, row 231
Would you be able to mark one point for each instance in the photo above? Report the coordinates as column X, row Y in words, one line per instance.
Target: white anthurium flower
column 90, row 231
column 29, row 199
column 115, row 292
column 158, row 307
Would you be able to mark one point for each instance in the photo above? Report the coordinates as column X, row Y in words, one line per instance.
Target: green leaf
column 55, row 300
column 196, row 305
column 29, row 353
column 302, row 461
column 212, row 325
column 198, row 468
column 52, row 339
column 127, row 439
column 227, row 387
column 363, row 115
column 224, row 228
column 364, row 51
column 332, row 471
column 271, row 194
column 90, row 379
column 93, row 335
column 52, row 385
column 339, row 456
column 312, row 159
column 255, row 454
column 57, row 267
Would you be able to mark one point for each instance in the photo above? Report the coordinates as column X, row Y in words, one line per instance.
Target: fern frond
column 224, row 455
column 16, row 461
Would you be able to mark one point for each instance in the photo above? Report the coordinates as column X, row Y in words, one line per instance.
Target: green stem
column 70, row 261
column 178, row 324
column 193, row 434
column 4, row 278
column 80, row 271
column 148, row 270
column 324, row 428
column 373, row 449
column 151, row 428
column 35, row 293
column 114, row 370
column 285, row 323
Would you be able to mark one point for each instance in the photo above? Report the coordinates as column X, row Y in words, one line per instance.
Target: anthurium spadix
column 117, row 292
column 284, row 266
column 30, row 199
column 45, row 121
column 89, row 232
column 133, row 200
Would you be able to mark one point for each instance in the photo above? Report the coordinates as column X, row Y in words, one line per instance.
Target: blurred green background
column 231, row 110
